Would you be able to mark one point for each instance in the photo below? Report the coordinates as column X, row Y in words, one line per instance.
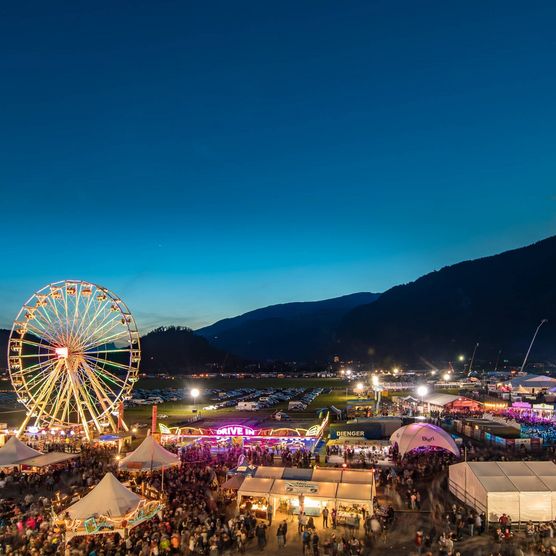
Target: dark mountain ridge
column 496, row 301
column 299, row 331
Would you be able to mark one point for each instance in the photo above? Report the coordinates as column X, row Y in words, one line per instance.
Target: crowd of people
column 196, row 519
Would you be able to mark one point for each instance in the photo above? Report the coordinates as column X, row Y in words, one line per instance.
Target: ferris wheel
column 73, row 357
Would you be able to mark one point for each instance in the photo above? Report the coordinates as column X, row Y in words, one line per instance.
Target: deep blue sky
column 205, row 158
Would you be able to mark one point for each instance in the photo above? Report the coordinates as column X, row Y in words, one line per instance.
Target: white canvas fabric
column 109, row 497
column 15, row 451
column 423, row 435
column 523, row 490
column 149, row 455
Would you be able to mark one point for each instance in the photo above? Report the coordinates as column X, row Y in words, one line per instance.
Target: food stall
column 291, row 495
column 253, row 496
column 354, row 503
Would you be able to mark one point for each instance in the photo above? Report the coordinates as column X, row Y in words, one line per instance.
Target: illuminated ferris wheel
column 73, row 357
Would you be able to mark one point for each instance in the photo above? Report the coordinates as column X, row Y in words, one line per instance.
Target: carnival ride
column 73, row 357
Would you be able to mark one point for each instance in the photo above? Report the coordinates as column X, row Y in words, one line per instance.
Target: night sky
column 202, row 159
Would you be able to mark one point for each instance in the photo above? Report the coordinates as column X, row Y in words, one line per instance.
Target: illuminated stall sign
column 235, row 430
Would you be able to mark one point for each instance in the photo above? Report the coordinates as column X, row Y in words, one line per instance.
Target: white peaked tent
column 14, row 452
column 110, row 507
column 423, row 435
column 109, row 497
column 149, row 455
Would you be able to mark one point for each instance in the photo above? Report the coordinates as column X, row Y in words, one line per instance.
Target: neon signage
column 235, row 430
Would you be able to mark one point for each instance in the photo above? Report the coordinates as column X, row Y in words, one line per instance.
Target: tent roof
column 269, row 472
column 15, row 451
column 440, row 399
column 329, row 475
column 233, row 483
column 542, row 468
column 513, row 476
column 533, row 381
column 109, row 497
column 355, row 492
column 50, row 458
column 423, row 435
column 149, row 455
column 297, row 473
column 359, row 477
column 255, row 486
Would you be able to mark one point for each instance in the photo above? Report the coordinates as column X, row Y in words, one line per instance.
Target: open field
column 178, row 411
column 181, row 410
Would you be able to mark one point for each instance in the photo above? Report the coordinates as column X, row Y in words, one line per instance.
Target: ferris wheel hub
column 62, row 352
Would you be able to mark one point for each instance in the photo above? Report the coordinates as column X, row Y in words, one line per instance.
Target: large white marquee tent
column 526, row 491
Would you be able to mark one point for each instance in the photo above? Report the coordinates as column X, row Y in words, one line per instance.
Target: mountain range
column 288, row 332
column 495, row 301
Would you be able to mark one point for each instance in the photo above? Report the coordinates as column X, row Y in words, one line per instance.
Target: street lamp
column 461, row 358
column 375, row 381
column 195, row 394
column 446, row 377
column 422, row 391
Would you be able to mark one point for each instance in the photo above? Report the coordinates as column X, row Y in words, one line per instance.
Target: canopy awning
column 255, row 486
column 50, row 458
column 358, row 493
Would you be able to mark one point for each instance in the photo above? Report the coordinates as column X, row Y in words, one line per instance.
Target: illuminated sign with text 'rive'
column 235, row 430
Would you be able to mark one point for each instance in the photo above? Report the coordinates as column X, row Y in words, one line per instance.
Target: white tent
column 149, row 455
column 423, row 435
column 109, row 497
column 355, row 493
column 255, row 486
column 532, row 383
column 50, row 458
column 109, row 508
column 15, row 451
column 523, row 490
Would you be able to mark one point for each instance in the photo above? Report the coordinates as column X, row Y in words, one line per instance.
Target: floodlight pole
column 531, row 344
column 472, row 358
